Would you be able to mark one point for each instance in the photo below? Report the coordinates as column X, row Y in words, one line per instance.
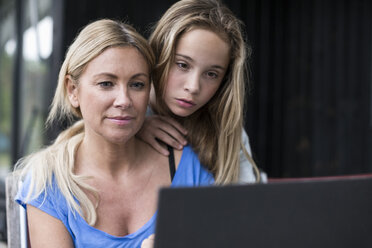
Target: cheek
column 91, row 102
column 141, row 102
column 173, row 82
column 168, row 91
column 210, row 91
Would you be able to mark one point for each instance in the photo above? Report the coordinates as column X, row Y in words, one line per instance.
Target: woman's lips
column 121, row 120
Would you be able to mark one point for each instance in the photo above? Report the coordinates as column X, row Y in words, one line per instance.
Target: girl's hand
column 149, row 242
column 165, row 129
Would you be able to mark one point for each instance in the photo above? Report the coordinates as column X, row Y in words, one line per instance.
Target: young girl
column 199, row 82
column 97, row 184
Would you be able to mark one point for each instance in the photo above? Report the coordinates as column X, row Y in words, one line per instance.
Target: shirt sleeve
column 48, row 201
column 246, row 174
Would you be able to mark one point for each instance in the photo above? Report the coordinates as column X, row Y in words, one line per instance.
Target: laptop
column 315, row 213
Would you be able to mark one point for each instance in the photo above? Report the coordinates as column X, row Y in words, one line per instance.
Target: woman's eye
column 182, row 65
column 137, row 85
column 105, row 84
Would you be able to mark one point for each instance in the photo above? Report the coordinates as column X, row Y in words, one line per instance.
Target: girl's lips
column 185, row 103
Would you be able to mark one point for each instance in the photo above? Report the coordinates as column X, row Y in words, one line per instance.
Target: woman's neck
column 101, row 156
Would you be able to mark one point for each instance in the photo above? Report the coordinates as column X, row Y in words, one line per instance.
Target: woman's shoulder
column 47, row 198
column 148, row 153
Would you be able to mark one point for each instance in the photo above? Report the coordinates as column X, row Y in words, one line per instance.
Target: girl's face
column 201, row 61
column 112, row 94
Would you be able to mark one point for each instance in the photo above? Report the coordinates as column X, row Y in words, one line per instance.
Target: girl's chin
column 182, row 112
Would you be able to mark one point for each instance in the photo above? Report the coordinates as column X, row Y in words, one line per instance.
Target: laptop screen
column 315, row 213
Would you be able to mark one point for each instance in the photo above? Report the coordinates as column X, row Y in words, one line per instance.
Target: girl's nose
column 192, row 84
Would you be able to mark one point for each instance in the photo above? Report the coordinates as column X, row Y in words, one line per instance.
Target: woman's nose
column 123, row 99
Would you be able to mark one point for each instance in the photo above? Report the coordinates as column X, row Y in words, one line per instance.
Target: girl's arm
column 246, row 174
column 46, row 230
column 247, row 169
column 165, row 129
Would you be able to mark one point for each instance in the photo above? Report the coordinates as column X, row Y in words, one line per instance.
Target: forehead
column 223, row 35
column 205, row 45
column 118, row 60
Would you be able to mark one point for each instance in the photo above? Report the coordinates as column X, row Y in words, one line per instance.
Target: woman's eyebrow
column 105, row 74
column 113, row 76
column 141, row 74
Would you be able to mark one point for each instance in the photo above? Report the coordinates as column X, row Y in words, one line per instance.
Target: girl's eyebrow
column 184, row 56
column 191, row 60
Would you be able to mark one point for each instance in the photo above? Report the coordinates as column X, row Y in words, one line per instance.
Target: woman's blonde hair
column 215, row 130
column 56, row 162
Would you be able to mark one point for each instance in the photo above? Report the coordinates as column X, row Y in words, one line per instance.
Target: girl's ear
column 72, row 91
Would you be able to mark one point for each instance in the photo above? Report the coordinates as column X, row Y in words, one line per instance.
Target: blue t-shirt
column 189, row 173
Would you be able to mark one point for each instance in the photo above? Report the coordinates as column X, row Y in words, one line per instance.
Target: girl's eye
column 105, row 84
column 137, row 85
column 211, row 74
column 182, row 65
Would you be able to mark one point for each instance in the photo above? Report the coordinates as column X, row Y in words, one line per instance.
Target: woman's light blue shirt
column 189, row 173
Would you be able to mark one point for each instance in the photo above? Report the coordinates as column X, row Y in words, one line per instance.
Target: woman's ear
column 72, row 91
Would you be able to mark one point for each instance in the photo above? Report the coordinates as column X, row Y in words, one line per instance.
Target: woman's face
column 112, row 94
column 201, row 61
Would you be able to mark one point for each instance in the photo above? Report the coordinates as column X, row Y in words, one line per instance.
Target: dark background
column 309, row 109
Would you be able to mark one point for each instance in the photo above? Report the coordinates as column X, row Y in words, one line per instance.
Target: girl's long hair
column 215, row 130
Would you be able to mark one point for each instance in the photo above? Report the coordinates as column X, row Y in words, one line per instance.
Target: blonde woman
column 199, row 85
column 97, row 184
